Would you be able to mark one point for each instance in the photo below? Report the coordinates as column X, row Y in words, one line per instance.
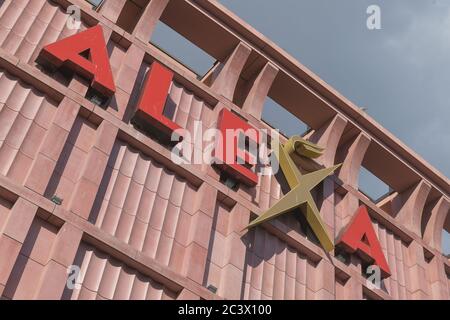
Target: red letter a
column 69, row 52
column 360, row 236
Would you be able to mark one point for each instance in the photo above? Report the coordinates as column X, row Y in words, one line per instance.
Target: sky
column 400, row 73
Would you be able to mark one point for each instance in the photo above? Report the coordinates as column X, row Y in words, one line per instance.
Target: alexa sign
column 85, row 53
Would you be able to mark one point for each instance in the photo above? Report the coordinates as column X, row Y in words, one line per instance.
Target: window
column 279, row 118
column 182, row 50
column 371, row 186
column 95, row 3
column 97, row 98
column 229, row 181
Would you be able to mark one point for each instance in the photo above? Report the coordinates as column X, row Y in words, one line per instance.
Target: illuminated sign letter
column 84, row 53
column 228, row 150
column 360, row 236
column 153, row 98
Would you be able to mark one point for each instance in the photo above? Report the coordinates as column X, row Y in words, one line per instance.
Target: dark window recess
column 229, row 181
column 57, row 200
column 182, row 50
column 279, row 118
column 95, row 3
column 62, row 75
column 212, row 288
column 97, row 98
column 342, row 255
column 131, row 13
column 428, row 255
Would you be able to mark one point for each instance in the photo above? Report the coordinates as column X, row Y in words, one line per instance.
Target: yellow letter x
column 300, row 194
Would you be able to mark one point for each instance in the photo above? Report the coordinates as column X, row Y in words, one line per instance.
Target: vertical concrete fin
column 13, row 236
column 328, row 137
column 433, row 230
column 255, row 99
column 196, row 253
column 410, row 214
column 232, row 273
column 351, row 166
column 95, row 165
column 111, row 9
column 147, row 22
column 349, row 174
column 127, row 76
column 64, row 249
column 224, row 78
column 418, row 285
column 52, row 146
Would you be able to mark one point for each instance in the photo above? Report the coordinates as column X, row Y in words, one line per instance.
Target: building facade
column 89, row 190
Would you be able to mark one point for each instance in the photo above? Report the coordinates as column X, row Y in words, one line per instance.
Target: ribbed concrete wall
column 106, row 278
column 140, row 226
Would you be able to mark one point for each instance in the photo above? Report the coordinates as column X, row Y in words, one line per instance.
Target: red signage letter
column 360, row 236
column 228, row 151
column 153, row 98
column 69, row 52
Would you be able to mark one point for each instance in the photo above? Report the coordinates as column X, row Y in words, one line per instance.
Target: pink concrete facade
column 142, row 227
